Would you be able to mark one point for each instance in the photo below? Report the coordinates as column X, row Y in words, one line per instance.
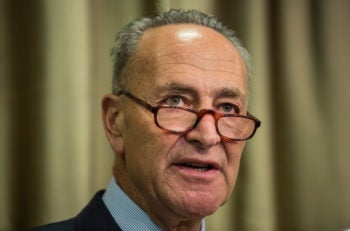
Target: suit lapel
column 96, row 217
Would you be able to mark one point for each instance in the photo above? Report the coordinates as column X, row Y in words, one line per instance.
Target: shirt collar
column 128, row 215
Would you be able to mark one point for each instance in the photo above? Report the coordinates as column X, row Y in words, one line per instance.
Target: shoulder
column 95, row 216
column 67, row 225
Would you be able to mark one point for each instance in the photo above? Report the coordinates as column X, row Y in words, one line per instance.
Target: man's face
column 165, row 173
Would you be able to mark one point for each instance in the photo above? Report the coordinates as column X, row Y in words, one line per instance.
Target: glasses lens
column 175, row 119
column 236, row 127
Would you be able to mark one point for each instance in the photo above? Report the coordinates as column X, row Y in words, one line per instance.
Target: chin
column 199, row 212
column 200, row 206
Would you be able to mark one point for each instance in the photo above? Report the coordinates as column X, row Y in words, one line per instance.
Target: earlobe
column 112, row 120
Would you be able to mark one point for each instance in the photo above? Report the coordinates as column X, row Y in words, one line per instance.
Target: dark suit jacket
column 94, row 217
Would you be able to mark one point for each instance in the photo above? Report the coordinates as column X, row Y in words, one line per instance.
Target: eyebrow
column 183, row 88
column 178, row 87
column 234, row 93
column 229, row 92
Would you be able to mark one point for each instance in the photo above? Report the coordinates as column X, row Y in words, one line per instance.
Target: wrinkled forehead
column 183, row 48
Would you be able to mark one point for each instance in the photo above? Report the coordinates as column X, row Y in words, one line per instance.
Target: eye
column 174, row 100
column 229, row 108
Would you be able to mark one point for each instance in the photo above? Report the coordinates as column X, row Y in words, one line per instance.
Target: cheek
column 147, row 163
column 146, row 148
column 234, row 153
column 137, row 135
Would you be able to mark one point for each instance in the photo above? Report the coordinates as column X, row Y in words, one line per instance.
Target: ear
column 112, row 117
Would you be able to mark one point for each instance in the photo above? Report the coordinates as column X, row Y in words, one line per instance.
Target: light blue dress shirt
column 128, row 215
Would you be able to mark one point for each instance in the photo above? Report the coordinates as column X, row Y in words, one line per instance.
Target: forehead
column 182, row 38
column 188, row 54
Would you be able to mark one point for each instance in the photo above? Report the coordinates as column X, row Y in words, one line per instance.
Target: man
column 177, row 121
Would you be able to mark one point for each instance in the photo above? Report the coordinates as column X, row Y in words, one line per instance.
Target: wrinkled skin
column 205, row 70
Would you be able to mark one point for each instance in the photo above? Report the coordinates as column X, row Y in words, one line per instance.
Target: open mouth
column 197, row 166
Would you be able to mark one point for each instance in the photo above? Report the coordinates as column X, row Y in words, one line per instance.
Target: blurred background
column 55, row 68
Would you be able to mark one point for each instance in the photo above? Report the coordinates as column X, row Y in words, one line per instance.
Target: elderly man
column 177, row 122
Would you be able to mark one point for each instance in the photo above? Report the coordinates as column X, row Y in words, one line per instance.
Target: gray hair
column 129, row 36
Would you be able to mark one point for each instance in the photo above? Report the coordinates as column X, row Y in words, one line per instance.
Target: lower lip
column 197, row 174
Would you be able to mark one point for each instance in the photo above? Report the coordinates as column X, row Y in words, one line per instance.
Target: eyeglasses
column 182, row 120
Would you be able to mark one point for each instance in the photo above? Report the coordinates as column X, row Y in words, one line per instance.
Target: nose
column 204, row 132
